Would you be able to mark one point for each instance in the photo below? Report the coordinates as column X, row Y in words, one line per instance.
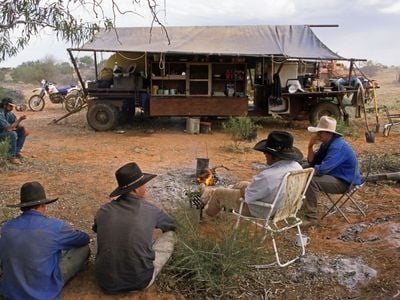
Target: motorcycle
column 56, row 95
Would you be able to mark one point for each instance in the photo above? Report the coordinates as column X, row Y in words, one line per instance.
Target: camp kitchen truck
column 209, row 72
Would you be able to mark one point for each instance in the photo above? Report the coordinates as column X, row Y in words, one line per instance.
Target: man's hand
column 21, row 118
column 313, row 141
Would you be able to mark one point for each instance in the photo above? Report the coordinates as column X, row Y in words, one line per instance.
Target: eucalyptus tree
column 74, row 21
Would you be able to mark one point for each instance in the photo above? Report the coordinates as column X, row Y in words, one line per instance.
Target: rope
column 129, row 58
column 161, row 63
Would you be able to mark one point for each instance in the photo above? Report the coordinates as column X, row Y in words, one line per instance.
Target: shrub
column 4, row 148
column 211, row 259
column 241, row 128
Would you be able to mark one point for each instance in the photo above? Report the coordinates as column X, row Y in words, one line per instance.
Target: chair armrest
column 259, row 203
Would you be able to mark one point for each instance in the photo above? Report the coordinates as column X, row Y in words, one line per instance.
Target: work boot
column 309, row 222
column 20, row 156
column 14, row 161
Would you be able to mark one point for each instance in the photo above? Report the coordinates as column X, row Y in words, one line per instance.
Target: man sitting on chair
column 334, row 162
column 281, row 158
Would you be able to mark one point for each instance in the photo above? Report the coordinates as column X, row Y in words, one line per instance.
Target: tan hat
column 325, row 124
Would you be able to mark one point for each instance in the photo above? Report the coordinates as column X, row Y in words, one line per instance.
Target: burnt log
column 385, row 176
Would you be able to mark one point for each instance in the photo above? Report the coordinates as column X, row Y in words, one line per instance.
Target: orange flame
column 206, row 177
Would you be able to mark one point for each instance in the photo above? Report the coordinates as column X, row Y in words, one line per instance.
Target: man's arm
column 333, row 159
column 311, row 154
column 71, row 238
column 165, row 222
column 15, row 124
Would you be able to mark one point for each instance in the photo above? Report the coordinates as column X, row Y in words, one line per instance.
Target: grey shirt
column 264, row 186
column 124, row 260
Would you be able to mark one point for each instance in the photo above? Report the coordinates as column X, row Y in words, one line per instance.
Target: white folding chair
column 282, row 217
column 348, row 195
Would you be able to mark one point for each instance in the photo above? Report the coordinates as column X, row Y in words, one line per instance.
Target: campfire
column 208, row 176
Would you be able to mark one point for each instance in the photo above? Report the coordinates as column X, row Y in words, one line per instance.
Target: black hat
column 280, row 144
column 130, row 177
column 7, row 101
column 32, row 193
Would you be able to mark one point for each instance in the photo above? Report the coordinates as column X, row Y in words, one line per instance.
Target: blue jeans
column 16, row 139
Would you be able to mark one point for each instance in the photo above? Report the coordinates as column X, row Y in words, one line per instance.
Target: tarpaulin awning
column 290, row 41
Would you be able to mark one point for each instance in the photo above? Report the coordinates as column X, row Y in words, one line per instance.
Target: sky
column 368, row 29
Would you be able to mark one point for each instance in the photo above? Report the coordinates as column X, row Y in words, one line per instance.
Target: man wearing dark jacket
column 39, row 254
column 127, row 259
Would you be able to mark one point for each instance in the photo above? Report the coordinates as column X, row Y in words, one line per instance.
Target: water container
column 193, row 125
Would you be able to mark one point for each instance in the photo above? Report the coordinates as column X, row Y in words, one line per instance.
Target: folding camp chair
column 348, row 195
column 393, row 120
column 282, row 217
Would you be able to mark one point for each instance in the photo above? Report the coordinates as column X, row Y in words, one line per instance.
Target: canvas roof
column 291, row 41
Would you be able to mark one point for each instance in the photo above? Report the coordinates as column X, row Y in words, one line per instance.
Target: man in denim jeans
column 10, row 127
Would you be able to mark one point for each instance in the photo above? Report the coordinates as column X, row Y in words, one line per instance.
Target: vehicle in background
column 57, row 95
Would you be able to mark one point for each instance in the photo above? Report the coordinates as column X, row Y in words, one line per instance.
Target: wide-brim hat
column 327, row 124
column 280, row 144
column 32, row 193
column 7, row 101
column 294, row 87
column 129, row 178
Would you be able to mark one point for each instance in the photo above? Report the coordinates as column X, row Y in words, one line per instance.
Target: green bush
column 241, row 128
column 210, row 260
column 4, row 148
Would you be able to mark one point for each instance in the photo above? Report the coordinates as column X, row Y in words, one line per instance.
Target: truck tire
column 102, row 116
column 324, row 109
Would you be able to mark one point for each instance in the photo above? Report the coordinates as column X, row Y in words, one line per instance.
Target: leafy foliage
column 21, row 20
column 371, row 68
column 35, row 71
column 241, row 128
column 4, row 148
column 13, row 94
column 211, row 262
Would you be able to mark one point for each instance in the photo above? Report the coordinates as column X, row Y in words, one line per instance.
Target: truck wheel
column 324, row 109
column 102, row 116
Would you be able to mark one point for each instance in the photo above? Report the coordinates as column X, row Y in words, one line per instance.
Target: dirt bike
column 56, row 95
column 74, row 101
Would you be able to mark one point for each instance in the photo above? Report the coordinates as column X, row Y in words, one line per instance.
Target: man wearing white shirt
column 281, row 158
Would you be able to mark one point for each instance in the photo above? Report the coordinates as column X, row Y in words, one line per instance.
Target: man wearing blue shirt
column 335, row 165
column 10, row 127
column 38, row 254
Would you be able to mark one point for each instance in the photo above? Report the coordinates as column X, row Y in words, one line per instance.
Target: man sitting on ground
column 335, row 165
column 38, row 254
column 10, row 127
column 127, row 258
column 281, row 158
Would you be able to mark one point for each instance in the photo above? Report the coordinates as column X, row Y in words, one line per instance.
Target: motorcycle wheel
column 36, row 103
column 73, row 102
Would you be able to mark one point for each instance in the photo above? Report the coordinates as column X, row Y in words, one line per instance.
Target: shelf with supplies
column 229, row 79
column 198, row 79
column 168, row 79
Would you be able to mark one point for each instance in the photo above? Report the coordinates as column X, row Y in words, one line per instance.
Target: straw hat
column 325, row 124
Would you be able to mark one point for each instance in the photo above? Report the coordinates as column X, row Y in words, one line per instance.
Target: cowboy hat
column 32, row 193
column 325, row 124
column 129, row 178
column 7, row 101
column 280, row 144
